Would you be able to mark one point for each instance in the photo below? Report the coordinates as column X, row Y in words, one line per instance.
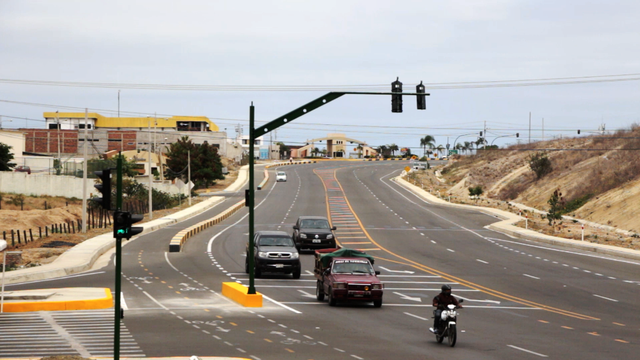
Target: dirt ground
column 46, row 249
column 453, row 191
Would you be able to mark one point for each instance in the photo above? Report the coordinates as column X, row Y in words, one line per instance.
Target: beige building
column 16, row 140
column 338, row 146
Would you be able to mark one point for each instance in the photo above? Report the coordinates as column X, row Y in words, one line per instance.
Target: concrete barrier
column 178, row 240
column 239, row 293
column 264, row 182
column 58, row 300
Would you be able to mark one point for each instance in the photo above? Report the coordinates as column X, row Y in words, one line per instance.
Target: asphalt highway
column 523, row 300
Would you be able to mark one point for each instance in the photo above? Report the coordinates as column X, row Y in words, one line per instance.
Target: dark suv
column 313, row 232
column 274, row 251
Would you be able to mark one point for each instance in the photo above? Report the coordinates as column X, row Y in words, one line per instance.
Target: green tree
column 283, row 150
column 359, row 151
column 556, row 203
column 393, row 148
column 540, row 164
column 427, row 141
column 206, row 166
column 5, row 158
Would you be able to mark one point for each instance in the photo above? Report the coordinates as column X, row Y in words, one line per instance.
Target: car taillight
column 339, row 285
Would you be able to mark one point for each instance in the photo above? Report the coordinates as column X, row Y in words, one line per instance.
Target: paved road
column 522, row 299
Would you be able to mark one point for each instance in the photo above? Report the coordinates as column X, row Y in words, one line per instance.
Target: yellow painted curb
column 238, row 293
column 175, row 245
column 88, row 304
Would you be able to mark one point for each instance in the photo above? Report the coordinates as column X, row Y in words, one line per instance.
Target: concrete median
column 239, row 293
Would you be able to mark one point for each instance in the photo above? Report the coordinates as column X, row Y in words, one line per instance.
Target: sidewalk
column 81, row 258
column 506, row 226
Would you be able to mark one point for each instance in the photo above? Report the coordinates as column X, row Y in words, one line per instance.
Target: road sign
column 406, row 168
column 454, row 151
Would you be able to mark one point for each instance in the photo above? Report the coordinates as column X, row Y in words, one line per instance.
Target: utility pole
column 529, row 127
column 84, row 173
column 189, row 174
column 118, row 103
column 150, row 174
column 485, row 133
column 58, row 131
column 542, row 129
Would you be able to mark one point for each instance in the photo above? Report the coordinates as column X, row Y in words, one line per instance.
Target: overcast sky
column 330, row 44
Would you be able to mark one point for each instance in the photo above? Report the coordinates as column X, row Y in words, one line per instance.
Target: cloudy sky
column 283, row 54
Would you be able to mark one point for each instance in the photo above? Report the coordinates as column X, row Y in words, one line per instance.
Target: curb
column 84, row 304
column 508, row 219
column 239, row 294
column 181, row 237
column 266, row 178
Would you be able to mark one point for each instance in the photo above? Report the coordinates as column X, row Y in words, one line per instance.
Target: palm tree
column 480, row 141
column 440, row 149
column 315, row 151
column 427, row 141
column 467, row 146
column 359, row 150
column 393, row 148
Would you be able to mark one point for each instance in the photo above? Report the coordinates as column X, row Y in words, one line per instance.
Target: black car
column 313, row 232
column 274, row 251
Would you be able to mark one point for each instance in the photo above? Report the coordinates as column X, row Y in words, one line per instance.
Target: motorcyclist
column 440, row 302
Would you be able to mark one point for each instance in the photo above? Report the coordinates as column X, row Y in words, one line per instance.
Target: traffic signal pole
column 284, row 119
column 117, row 308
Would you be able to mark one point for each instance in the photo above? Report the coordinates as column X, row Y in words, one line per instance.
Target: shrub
column 18, row 200
column 475, row 191
column 556, row 203
column 540, row 164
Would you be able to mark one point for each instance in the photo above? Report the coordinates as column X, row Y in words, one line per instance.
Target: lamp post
column 456, row 140
column 58, row 131
column 516, row 135
column 150, row 174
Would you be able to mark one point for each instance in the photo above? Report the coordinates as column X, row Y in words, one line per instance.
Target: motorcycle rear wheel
column 452, row 336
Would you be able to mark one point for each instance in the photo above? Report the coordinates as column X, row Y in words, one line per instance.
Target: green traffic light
column 121, row 231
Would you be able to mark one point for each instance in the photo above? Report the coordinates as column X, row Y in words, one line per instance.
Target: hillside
column 598, row 176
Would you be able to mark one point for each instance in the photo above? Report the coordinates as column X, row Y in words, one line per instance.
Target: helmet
column 446, row 289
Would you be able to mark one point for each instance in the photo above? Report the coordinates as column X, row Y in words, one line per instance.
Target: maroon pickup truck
column 346, row 275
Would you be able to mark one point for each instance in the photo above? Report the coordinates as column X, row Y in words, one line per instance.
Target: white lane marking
column 482, row 261
column 527, row 351
column 416, row 316
column 407, row 297
column 397, row 271
column 123, row 304
column 306, row 294
column 486, row 301
column 281, row 304
column 169, row 262
column 531, row 276
column 75, row 344
column 606, row 298
column 154, row 300
column 451, row 250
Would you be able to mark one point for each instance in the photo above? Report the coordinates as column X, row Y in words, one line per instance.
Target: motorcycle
column 447, row 327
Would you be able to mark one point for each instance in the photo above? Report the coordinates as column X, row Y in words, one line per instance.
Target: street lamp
column 456, row 140
column 516, row 135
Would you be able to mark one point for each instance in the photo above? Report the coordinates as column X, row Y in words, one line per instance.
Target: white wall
column 67, row 186
column 16, row 140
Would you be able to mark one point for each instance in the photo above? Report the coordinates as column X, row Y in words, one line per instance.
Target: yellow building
column 75, row 121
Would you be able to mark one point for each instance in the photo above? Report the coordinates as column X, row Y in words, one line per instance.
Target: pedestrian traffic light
column 122, row 221
column 421, row 99
column 104, row 188
column 396, row 100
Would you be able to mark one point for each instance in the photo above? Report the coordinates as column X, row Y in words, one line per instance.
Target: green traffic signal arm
column 312, row 105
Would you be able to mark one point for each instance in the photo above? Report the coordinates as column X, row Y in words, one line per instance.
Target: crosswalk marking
column 85, row 333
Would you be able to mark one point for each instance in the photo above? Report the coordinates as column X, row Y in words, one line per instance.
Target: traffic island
column 239, row 293
column 57, row 299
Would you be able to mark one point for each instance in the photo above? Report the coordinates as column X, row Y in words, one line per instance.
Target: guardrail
column 181, row 237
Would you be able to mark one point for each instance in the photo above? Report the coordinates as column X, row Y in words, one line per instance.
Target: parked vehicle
column 313, row 232
column 281, row 176
column 274, row 252
column 346, row 275
column 22, row 169
column 448, row 322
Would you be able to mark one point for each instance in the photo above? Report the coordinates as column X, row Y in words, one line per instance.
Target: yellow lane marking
column 543, row 321
column 615, row 323
column 146, row 269
column 355, row 243
column 157, row 278
column 150, row 273
column 250, row 332
column 177, row 292
column 141, row 265
column 207, row 310
column 595, row 333
column 219, row 317
column 365, row 250
column 447, row 276
column 162, row 281
column 567, row 327
column 170, row 287
column 622, row 341
column 289, row 350
column 234, row 324
column 267, row 340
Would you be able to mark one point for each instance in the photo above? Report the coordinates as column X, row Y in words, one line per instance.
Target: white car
column 281, row 176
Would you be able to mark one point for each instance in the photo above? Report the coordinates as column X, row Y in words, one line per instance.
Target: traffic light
column 578, row 132
column 480, row 133
column 517, row 135
column 105, row 188
column 122, row 221
column 396, row 100
column 422, row 99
